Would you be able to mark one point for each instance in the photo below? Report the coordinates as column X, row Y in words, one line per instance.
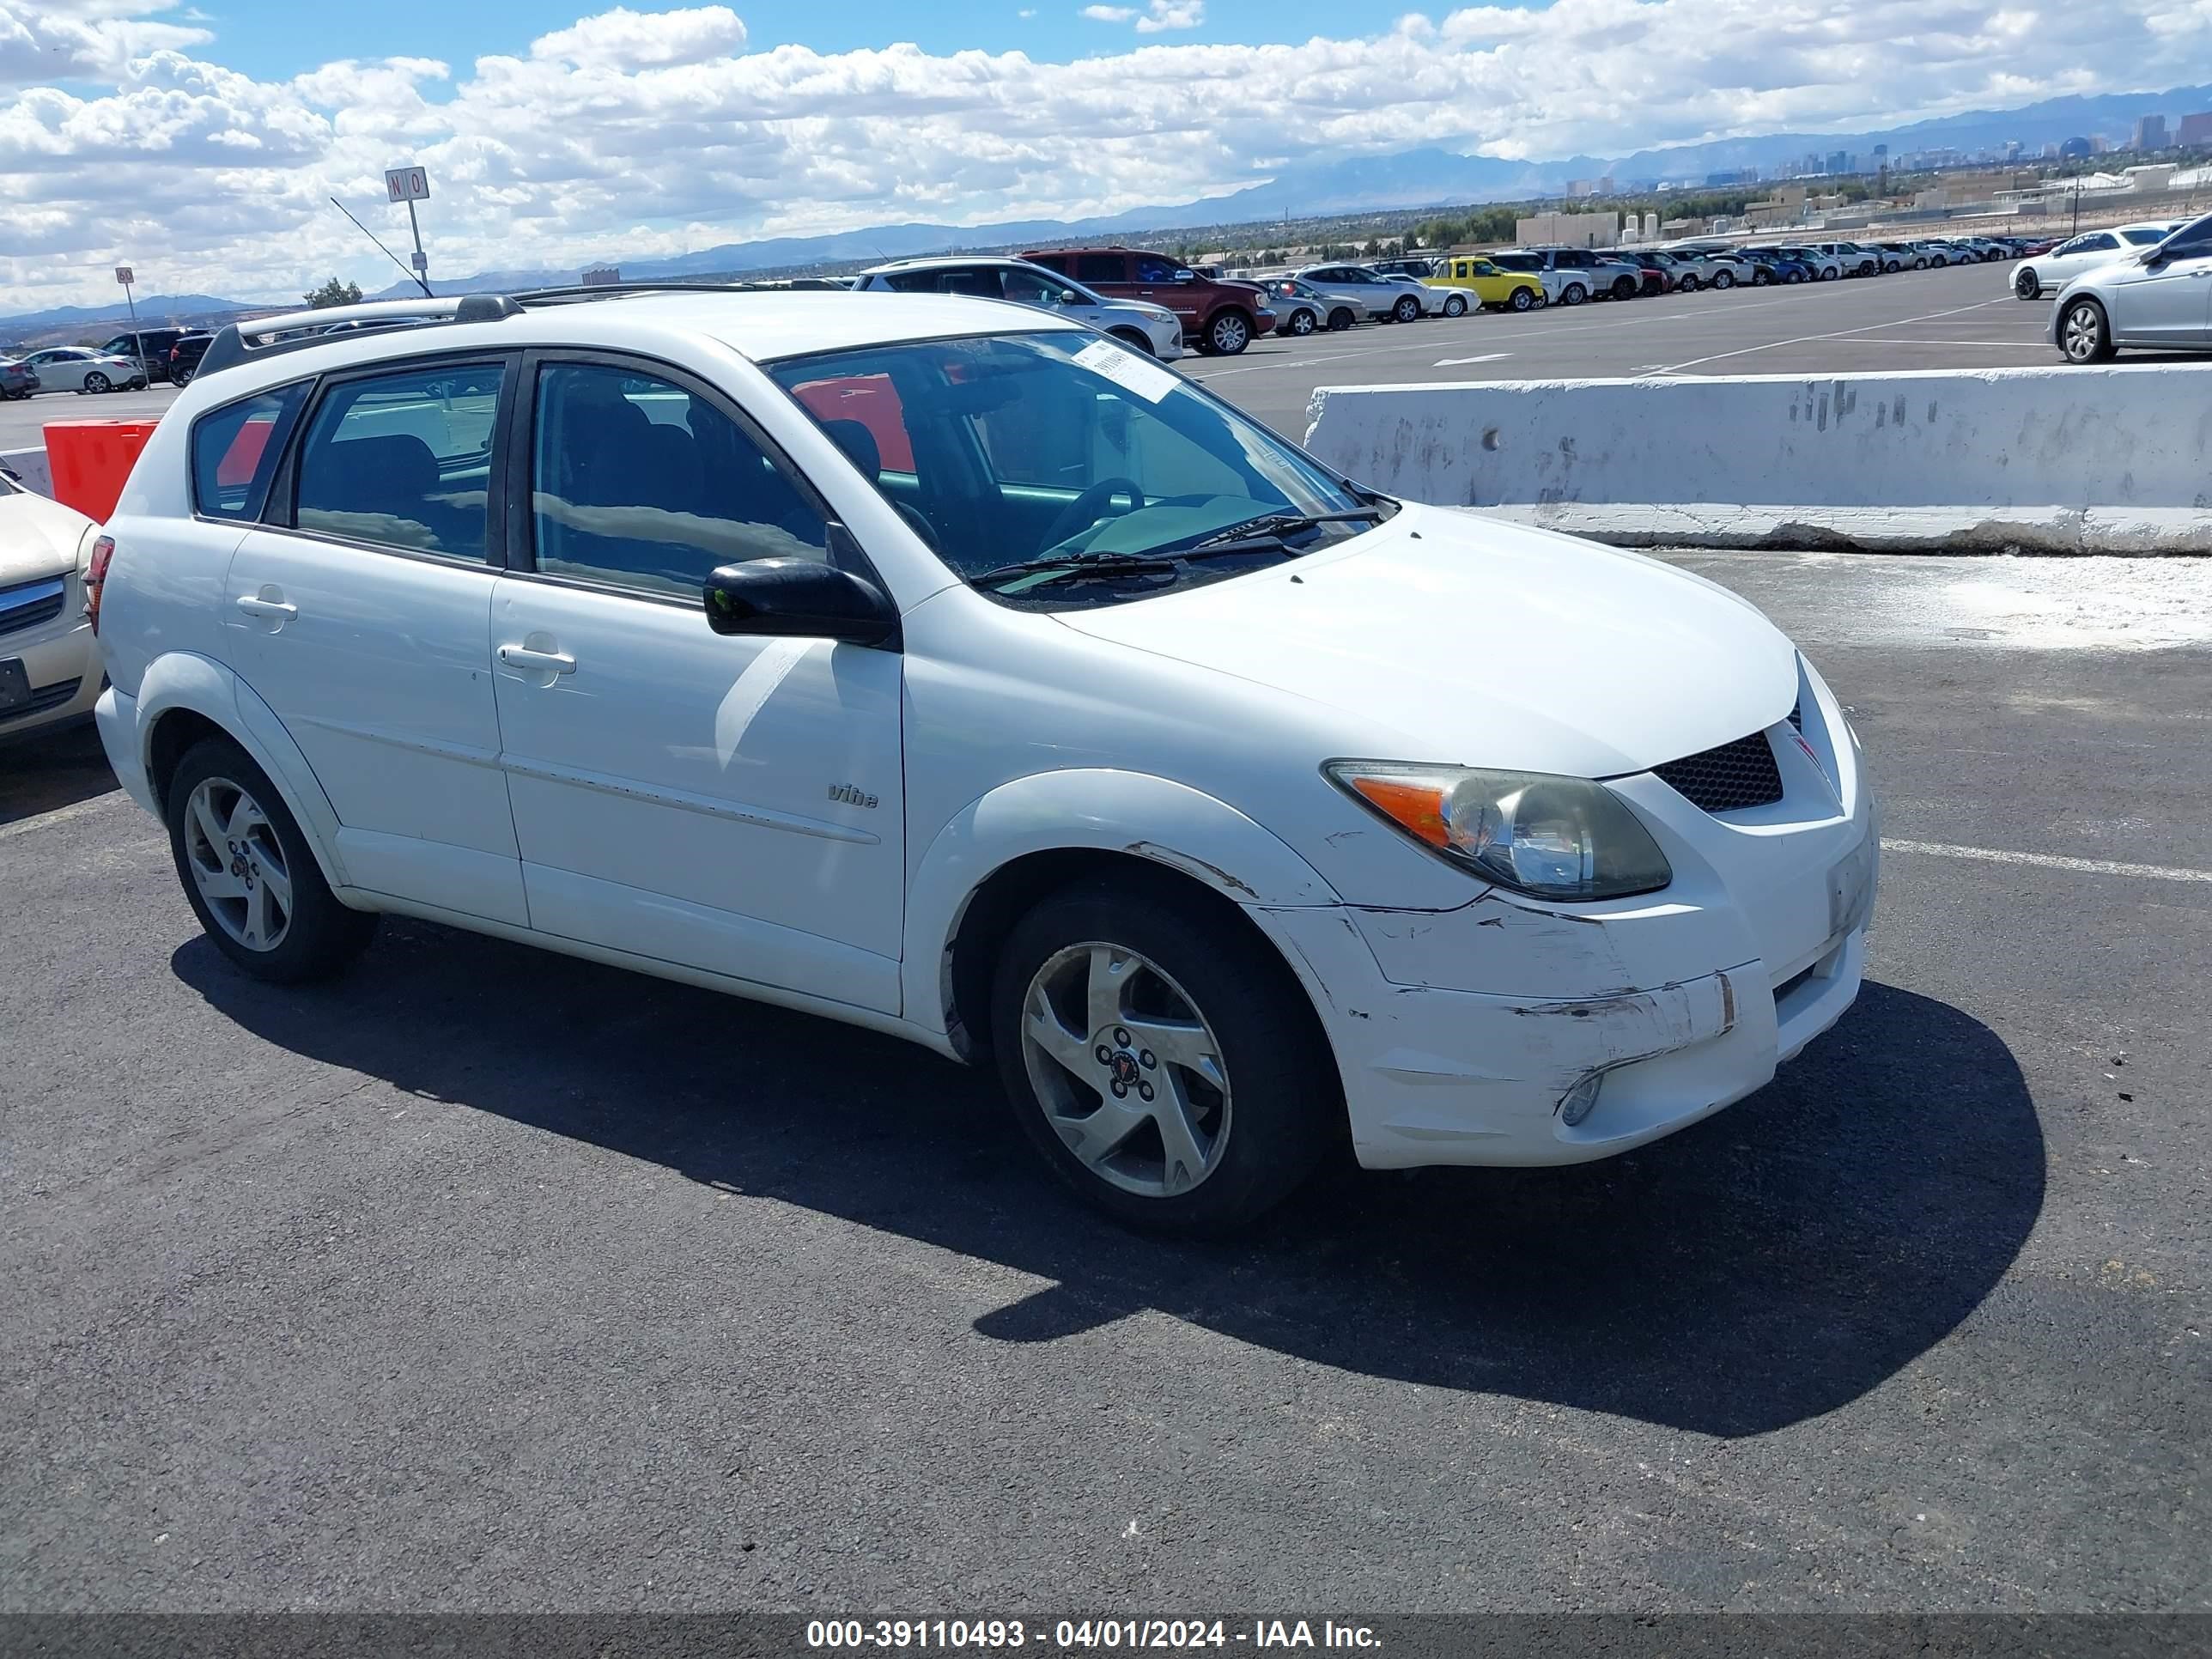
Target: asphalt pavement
column 1961, row 317
column 23, row 424
column 487, row 1279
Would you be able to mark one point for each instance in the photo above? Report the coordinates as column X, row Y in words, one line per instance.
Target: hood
column 1457, row 638
column 38, row 538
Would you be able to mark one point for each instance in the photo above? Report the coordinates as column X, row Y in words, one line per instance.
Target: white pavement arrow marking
column 1486, row 357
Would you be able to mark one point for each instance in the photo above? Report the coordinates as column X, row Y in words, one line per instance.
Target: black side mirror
column 800, row 598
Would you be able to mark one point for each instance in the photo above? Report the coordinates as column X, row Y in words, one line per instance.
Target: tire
column 1135, row 340
column 1521, row 299
column 224, row 855
column 1939, row 262
column 1723, row 279
column 1798, row 277
column 181, row 377
column 1257, row 1104
column 1625, row 288
column 1920, row 264
column 1760, row 277
column 1574, row 294
column 96, row 383
column 1302, row 322
column 1341, row 319
column 1834, row 276
column 1408, row 309
column 2026, row 285
column 1687, row 284
column 2085, row 333
column 1455, row 306
column 1229, row 333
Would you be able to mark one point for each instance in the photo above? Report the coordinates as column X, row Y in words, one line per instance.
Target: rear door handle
column 545, row 662
column 270, row 609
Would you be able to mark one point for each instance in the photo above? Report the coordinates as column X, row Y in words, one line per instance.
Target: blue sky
column 272, row 39
column 200, row 140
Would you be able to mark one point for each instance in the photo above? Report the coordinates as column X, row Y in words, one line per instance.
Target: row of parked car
column 129, row 362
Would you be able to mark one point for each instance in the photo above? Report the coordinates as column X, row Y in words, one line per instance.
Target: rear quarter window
column 236, row 450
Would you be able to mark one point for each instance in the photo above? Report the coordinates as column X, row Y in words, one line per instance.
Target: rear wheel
column 1229, row 333
column 249, row 874
column 97, row 382
column 1575, row 295
column 1455, row 306
column 1407, row 308
column 1521, row 299
column 1168, row 1069
column 1624, row 287
column 2085, row 334
column 1939, row 262
column 181, row 376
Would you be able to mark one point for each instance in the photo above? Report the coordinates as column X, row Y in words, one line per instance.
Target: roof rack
column 576, row 294
column 295, row 331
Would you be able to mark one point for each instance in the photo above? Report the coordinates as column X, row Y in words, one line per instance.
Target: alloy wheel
column 1407, row 309
column 1229, row 334
column 238, row 864
column 2084, row 334
column 1126, row 1068
column 96, row 382
column 1302, row 322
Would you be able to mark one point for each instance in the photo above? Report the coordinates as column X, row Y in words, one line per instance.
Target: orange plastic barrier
column 91, row 460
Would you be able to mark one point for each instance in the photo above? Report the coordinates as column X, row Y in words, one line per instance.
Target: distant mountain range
column 1410, row 179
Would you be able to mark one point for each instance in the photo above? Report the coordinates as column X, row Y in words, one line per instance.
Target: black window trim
column 281, row 513
column 284, row 440
column 520, row 541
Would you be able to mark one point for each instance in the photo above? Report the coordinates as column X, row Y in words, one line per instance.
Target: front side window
column 1151, row 268
column 2193, row 241
column 637, row 483
column 234, row 451
column 2094, row 245
column 403, row 459
column 1043, row 447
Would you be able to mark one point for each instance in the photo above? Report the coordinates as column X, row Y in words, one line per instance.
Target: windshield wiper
column 1084, row 567
column 1270, row 529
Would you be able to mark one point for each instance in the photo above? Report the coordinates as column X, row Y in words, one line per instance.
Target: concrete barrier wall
column 2111, row 459
column 30, row 465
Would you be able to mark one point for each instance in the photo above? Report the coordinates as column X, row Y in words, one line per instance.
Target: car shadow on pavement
column 1769, row 1265
column 52, row 770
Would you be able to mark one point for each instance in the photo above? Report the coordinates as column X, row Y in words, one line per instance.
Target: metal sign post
column 125, row 276
column 411, row 185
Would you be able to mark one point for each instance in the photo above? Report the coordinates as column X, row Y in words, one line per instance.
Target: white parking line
column 1486, row 357
column 2047, row 861
column 1836, row 334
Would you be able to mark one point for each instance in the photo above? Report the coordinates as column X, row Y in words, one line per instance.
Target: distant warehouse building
column 1568, row 230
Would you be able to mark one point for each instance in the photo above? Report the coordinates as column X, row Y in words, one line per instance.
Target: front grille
column 29, row 603
column 46, row 697
column 1730, row 778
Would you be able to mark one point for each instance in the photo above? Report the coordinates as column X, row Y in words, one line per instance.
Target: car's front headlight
column 1550, row 837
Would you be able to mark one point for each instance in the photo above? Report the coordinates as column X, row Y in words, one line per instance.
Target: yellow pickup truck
column 1510, row 291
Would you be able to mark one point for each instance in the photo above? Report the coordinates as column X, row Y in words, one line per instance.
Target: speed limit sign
column 124, row 276
column 407, row 184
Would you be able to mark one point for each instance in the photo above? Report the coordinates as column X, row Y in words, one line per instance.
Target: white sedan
column 1434, row 301
column 943, row 667
column 2046, row 273
column 80, row 368
column 49, row 660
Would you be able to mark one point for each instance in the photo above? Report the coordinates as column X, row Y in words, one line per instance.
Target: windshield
column 1043, row 448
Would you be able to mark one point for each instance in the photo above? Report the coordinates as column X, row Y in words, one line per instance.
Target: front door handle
column 544, row 662
column 268, row 609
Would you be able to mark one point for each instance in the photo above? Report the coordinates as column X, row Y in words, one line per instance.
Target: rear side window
column 234, row 451
column 1099, row 267
column 403, row 459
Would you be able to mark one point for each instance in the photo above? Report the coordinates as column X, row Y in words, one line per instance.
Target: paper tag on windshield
column 1125, row 368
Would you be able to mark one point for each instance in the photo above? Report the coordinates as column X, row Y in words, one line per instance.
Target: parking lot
column 1961, row 317
column 485, row 1278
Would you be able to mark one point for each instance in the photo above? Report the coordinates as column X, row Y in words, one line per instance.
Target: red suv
column 1222, row 318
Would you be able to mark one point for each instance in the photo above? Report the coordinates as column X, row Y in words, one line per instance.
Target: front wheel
column 2086, row 335
column 2026, row 284
column 1686, row 283
column 1341, row 319
column 1723, row 279
column 1455, row 306
column 1135, row 340
column 1407, row 309
column 181, row 377
column 1575, row 295
column 1302, row 322
column 1168, row 1068
column 249, row 874
column 1624, row 287
column 1796, row 277
column 1939, row 262
column 1521, row 299
column 1228, row 334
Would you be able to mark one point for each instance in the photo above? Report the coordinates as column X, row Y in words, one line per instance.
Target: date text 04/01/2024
column 1084, row 1634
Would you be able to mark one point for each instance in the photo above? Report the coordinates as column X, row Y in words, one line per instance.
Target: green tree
column 334, row 292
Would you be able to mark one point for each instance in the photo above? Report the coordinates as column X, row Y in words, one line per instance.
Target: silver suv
column 1587, row 275
column 1150, row 328
column 1370, row 294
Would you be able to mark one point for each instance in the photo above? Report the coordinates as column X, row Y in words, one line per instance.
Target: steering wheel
column 1090, row 507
